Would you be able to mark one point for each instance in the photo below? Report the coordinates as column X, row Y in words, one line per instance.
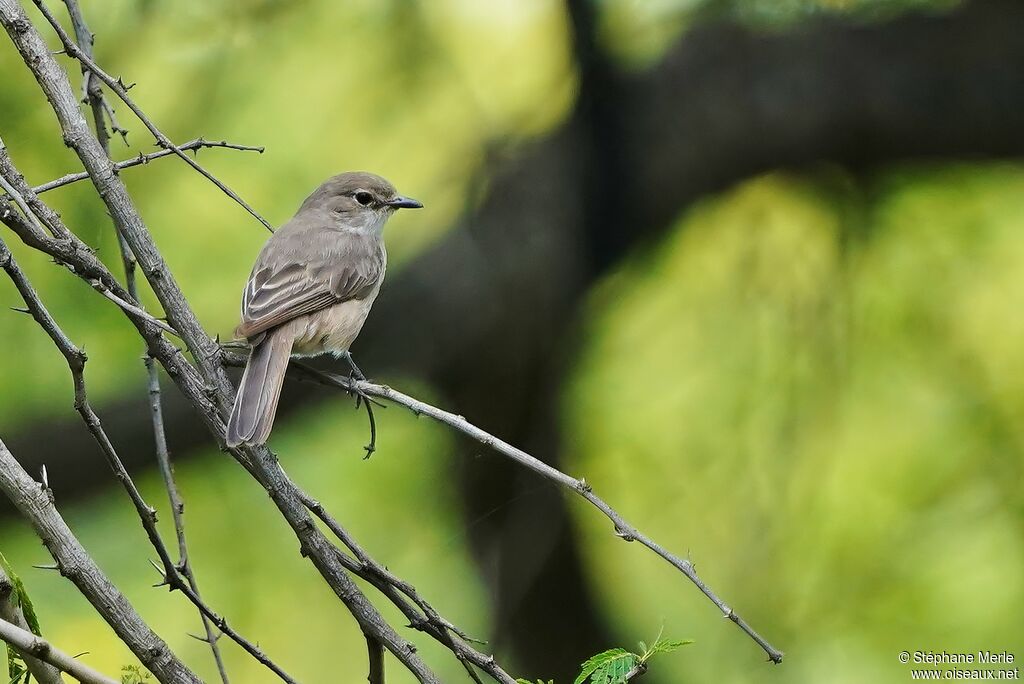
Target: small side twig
column 131, row 308
column 193, row 145
column 19, row 201
column 375, row 655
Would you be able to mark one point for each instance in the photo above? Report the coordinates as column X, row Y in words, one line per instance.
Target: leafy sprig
column 618, row 665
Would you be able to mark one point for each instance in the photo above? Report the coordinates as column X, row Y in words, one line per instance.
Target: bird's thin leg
column 372, row 446
column 354, row 377
column 356, row 374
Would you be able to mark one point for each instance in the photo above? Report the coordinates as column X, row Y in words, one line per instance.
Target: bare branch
column 32, row 645
column 194, row 145
column 119, row 89
column 623, row 529
column 32, row 222
column 131, row 308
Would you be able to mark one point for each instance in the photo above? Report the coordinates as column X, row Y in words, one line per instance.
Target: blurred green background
column 808, row 376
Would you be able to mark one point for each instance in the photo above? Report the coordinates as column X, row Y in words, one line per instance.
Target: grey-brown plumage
column 311, row 290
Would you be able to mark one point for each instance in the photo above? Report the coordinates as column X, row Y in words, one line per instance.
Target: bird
column 310, row 291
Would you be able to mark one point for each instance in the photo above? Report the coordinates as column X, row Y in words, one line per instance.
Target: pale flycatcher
column 311, row 289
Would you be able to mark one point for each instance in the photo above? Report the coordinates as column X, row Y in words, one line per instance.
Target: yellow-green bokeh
column 822, row 407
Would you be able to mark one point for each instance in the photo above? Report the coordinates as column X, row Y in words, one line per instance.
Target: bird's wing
column 277, row 293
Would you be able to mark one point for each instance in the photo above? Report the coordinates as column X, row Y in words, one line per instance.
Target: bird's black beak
column 401, row 202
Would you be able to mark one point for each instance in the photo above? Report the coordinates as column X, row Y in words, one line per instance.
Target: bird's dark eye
column 364, row 198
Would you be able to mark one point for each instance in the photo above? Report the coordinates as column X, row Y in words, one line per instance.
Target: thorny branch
column 99, row 106
column 192, row 145
column 35, row 502
column 421, row 615
column 76, row 358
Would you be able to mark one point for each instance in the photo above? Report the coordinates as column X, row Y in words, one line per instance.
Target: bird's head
column 358, row 200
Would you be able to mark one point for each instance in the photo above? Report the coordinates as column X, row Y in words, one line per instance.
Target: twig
column 400, row 593
column 35, row 503
column 579, row 486
column 35, row 646
column 11, row 611
column 131, row 308
column 636, row 672
column 194, row 145
column 20, row 202
column 375, row 655
column 99, row 106
column 119, row 89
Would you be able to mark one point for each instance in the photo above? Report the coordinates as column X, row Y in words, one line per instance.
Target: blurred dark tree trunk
column 725, row 104
column 490, row 313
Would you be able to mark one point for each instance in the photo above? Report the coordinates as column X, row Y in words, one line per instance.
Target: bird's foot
column 355, row 377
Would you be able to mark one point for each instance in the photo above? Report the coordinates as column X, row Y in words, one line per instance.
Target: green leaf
column 21, row 594
column 609, row 667
column 616, row 671
column 16, row 669
column 669, row 645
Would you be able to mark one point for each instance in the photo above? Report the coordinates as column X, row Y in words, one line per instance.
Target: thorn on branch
column 164, row 581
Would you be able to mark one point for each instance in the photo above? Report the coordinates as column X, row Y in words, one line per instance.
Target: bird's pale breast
column 331, row 330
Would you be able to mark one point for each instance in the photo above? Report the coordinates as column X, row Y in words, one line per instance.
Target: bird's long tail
column 256, row 403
